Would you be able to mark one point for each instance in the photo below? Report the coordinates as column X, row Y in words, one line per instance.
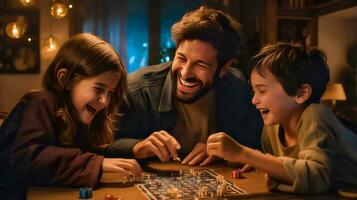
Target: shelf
column 295, row 31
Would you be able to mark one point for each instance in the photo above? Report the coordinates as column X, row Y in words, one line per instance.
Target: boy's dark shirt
column 31, row 153
column 149, row 107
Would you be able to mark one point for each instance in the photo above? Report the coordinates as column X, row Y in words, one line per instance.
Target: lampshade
column 334, row 91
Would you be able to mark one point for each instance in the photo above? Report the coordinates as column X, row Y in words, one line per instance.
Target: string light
column 27, row 2
column 16, row 29
column 59, row 10
column 51, row 43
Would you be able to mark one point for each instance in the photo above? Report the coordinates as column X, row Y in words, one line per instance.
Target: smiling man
column 173, row 107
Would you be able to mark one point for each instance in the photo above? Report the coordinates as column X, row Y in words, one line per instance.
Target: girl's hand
column 127, row 167
column 222, row 145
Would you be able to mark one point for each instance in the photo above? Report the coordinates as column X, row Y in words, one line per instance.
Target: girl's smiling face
column 275, row 106
column 90, row 95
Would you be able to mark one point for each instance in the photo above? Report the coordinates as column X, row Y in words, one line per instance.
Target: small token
column 237, row 174
column 111, row 197
column 177, row 158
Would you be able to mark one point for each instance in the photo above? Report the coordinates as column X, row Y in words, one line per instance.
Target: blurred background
column 31, row 32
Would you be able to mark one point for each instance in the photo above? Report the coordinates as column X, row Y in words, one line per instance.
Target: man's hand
column 222, row 145
column 160, row 144
column 129, row 168
column 199, row 155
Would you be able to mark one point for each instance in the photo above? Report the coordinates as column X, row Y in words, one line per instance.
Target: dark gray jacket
column 149, row 107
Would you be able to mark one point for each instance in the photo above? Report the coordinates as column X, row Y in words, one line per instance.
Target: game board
column 188, row 184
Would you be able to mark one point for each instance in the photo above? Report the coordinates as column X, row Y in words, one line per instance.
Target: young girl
column 53, row 135
column 308, row 149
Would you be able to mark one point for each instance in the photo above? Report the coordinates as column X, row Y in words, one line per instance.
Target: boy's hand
column 160, row 144
column 270, row 182
column 129, row 168
column 222, row 145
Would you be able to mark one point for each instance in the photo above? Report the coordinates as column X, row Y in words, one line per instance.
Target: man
column 173, row 107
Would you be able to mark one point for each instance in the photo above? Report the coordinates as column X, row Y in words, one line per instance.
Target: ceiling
column 349, row 13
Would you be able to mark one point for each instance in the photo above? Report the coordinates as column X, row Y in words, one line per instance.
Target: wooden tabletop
column 253, row 183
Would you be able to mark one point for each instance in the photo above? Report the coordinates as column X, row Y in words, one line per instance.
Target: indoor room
column 178, row 99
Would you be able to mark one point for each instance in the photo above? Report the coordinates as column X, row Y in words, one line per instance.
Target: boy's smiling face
column 275, row 106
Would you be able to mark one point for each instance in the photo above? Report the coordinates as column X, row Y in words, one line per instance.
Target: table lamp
column 334, row 92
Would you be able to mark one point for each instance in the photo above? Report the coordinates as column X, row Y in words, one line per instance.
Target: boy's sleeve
column 39, row 161
column 310, row 172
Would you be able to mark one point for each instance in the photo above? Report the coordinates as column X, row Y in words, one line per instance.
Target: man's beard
column 204, row 90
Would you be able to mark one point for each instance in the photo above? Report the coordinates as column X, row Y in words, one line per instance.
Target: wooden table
column 253, row 183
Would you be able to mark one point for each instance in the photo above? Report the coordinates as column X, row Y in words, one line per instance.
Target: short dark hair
column 212, row 26
column 294, row 65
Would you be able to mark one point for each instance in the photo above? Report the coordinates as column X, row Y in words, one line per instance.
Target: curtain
column 106, row 19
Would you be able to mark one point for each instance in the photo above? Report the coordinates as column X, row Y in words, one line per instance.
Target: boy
column 308, row 149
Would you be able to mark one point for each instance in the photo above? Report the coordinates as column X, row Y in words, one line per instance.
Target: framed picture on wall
column 19, row 46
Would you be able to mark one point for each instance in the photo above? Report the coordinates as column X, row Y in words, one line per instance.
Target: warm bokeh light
column 59, row 10
column 51, row 43
column 15, row 30
column 27, row 2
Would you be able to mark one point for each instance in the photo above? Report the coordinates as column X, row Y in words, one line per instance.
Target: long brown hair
column 83, row 56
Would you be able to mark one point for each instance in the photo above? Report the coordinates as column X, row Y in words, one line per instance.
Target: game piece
column 158, row 183
column 111, row 197
column 183, row 185
column 237, row 174
column 181, row 172
column 220, row 179
column 173, row 193
column 192, row 172
column 147, row 176
column 220, row 191
column 85, row 193
column 177, row 158
column 203, row 191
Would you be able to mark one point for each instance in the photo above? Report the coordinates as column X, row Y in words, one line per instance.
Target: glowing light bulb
column 59, row 10
column 51, row 43
column 15, row 30
column 27, row 2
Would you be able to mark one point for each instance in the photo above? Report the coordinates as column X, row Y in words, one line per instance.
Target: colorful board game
column 188, row 184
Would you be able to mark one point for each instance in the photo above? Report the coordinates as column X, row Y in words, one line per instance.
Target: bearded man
column 173, row 107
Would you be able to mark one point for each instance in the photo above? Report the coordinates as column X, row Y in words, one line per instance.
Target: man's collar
column 166, row 103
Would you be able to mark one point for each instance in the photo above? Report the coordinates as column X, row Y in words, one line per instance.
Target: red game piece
column 237, row 174
column 111, row 197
